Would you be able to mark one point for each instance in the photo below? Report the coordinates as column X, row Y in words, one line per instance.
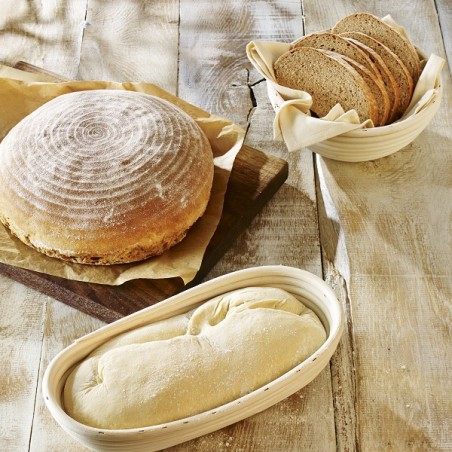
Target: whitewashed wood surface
column 378, row 232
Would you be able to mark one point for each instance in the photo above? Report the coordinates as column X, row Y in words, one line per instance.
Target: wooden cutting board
column 254, row 179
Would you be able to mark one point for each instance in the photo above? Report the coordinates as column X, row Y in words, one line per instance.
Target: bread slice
column 328, row 80
column 376, row 86
column 395, row 65
column 336, row 43
column 391, row 85
column 390, row 37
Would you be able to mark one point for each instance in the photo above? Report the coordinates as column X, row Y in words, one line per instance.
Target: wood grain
column 47, row 34
column 388, row 245
column 131, row 41
column 214, row 71
column 21, row 343
column 28, row 67
column 61, row 326
column 444, row 9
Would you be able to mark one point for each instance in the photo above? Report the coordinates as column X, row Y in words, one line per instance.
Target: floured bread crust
column 104, row 177
column 183, row 366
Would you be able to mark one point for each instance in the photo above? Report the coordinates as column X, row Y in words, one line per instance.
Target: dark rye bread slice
column 391, row 85
column 335, row 43
column 390, row 37
column 376, row 86
column 395, row 65
column 328, row 80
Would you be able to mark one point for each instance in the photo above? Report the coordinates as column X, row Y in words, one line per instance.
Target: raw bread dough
column 175, row 368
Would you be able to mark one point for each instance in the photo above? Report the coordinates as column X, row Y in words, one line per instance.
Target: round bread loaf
column 104, row 177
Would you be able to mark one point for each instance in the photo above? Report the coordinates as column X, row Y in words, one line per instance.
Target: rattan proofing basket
column 310, row 289
column 366, row 144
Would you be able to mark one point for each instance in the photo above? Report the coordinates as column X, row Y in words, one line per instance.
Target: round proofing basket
column 366, row 144
column 308, row 288
column 369, row 144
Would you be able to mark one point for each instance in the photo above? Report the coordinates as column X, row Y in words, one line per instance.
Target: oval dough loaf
column 172, row 369
column 104, row 176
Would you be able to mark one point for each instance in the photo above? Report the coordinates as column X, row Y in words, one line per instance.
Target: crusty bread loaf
column 377, row 29
column 328, row 80
column 104, row 177
column 194, row 362
column 391, row 84
column 335, row 43
column 376, row 86
column 394, row 64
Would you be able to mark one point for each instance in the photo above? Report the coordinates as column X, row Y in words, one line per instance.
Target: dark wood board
column 255, row 178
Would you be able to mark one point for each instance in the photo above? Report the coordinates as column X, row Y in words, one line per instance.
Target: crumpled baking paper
column 293, row 122
column 22, row 92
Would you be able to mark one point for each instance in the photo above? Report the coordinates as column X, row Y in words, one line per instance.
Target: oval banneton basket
column 308, row 288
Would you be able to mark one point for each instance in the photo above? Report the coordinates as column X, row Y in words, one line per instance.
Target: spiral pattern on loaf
column 104, row 160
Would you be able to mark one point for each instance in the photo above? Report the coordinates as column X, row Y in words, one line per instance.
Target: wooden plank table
column 378, row 232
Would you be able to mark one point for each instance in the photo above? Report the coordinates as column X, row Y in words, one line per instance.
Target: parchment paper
column 293, row 122
column 22, row 92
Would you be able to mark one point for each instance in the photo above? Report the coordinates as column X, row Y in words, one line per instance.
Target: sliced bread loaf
column 394, row 64
column 335, row 43
column 376, row 86
column 328, row 80
column 390, row 37
column 391, row 85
